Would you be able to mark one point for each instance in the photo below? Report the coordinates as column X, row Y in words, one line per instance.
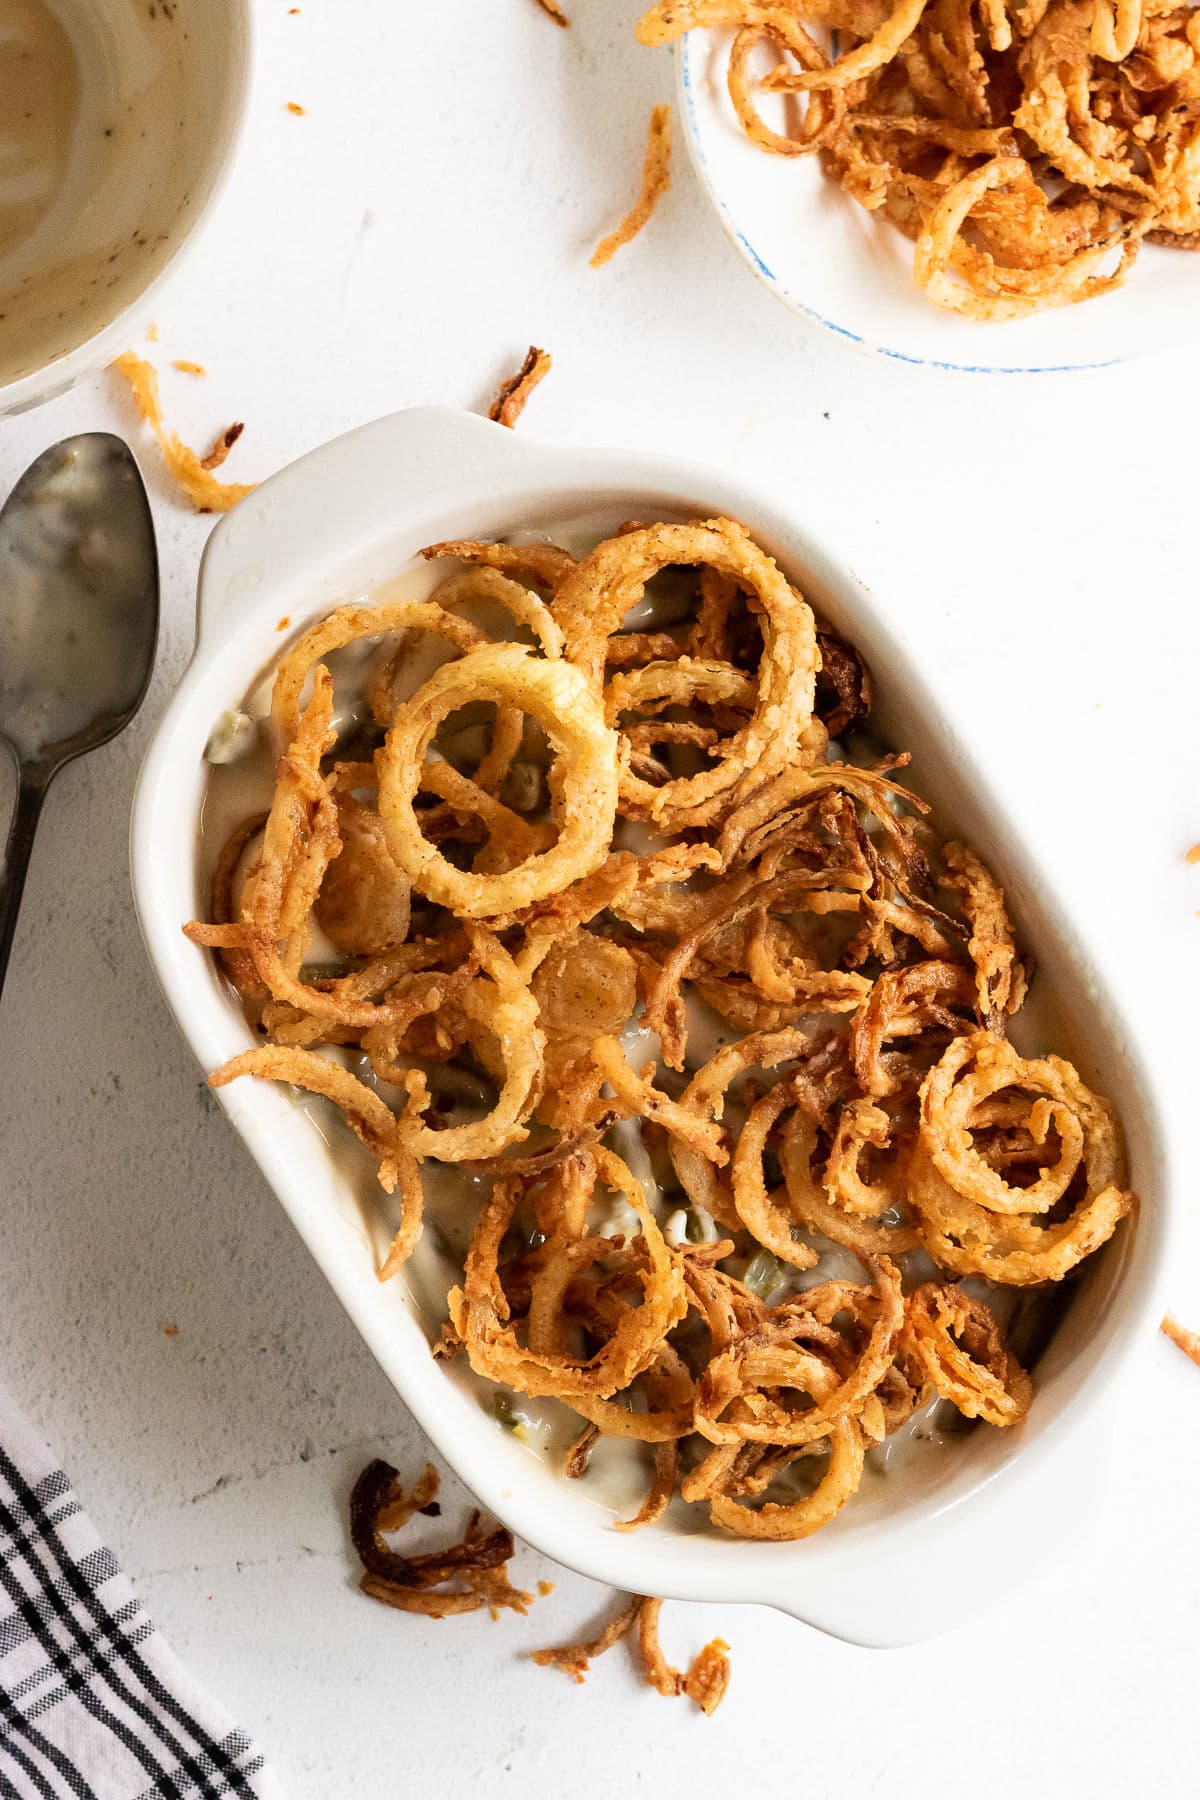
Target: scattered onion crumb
column 170, row 1331
column 152, row 334
column 553, row 11
column 294, row 106
column 191, row 368
column 464, row 1577
column 222, row 447
column 473, row 1574
column 191, row 473
column 1182, row 1338
column 1193, row 855
column 706, row 1681
column 510, row 401
column 575, row 1659
column 656, row 179
column 284, row 622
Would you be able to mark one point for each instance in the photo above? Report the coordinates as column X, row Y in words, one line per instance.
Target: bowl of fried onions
column 987, row 187
column 658, row 1030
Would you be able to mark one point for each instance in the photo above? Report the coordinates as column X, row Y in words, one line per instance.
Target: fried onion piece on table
column 192, row 474
column 1182, row 1338
column 514, row 393
column 465, row 1577
column 706, row 1681
column 656, row 179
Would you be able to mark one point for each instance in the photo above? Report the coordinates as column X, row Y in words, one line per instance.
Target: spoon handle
column 27, row 812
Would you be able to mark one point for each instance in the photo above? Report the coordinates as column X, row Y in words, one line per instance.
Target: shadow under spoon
column 78, row 625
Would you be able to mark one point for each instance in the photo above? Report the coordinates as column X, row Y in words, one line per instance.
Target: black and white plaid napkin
column 93, row 1703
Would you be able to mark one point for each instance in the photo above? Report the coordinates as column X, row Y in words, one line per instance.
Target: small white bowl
column 850, row 272
column 998, row 1505
column 154, row 121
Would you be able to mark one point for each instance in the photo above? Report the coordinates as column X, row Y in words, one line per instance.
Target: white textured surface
column 402, row 243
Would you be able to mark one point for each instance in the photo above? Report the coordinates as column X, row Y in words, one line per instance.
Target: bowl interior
column 568, row 1519
column 851, row 272
column 139, row 105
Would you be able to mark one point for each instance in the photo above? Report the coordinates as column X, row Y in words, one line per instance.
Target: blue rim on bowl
column 690, row 50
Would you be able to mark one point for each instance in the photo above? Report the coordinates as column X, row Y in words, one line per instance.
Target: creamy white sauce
column 627, row 1140
column 707, row 1032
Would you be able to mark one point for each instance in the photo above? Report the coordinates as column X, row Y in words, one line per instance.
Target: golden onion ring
column 595, row 597
column 503, row 1006
column 956, row 1346
column 767, row 1359
column 786, row 1523
column 343, row 627
column 568, row 709
column 479, row 1311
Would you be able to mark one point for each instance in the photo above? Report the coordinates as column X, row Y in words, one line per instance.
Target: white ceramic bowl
column 851, row 272
column 149, row 134
column 996, row 1506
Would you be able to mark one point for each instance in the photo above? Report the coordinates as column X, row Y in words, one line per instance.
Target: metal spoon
column 78, row 625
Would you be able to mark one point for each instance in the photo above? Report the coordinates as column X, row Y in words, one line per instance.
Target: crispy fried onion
column 1182, row 1338
column 576, row 1659
column 794, row 1386
column 499, row 1003
column 868, row 1218
column 984, row 1111
column 776, row 1360
column 485, row 584
column 999, row 977
column 905, row 1004
column 983, row 289
column 192, row 474
column 686, row 800
column 236, row 963
column 301, row 840
column 510, row 401
column 648, row 1102
column 631, row 833
column 955, row 1345
column 656, row 179
column 345, row 626
column 371, row 1120
column 1028, row 150
column 461, row 1579
column 480, row 1311
column 707, row 1093
column 706, row 1681
column 864, row 59
column 800, row 986
column 544, row 563
column 595, row 597
column 583, row 779
column 826, row 108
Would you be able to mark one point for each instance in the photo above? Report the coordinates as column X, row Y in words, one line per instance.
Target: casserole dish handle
column 282, row 529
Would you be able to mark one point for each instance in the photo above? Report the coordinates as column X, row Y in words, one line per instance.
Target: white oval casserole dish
column 941, row 1545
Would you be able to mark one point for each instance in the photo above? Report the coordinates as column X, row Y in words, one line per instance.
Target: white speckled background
column 403, row 243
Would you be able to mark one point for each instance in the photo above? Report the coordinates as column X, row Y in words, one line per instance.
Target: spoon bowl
column 78, row 624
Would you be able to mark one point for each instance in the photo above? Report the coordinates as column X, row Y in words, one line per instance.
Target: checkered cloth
column 93, row 1704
